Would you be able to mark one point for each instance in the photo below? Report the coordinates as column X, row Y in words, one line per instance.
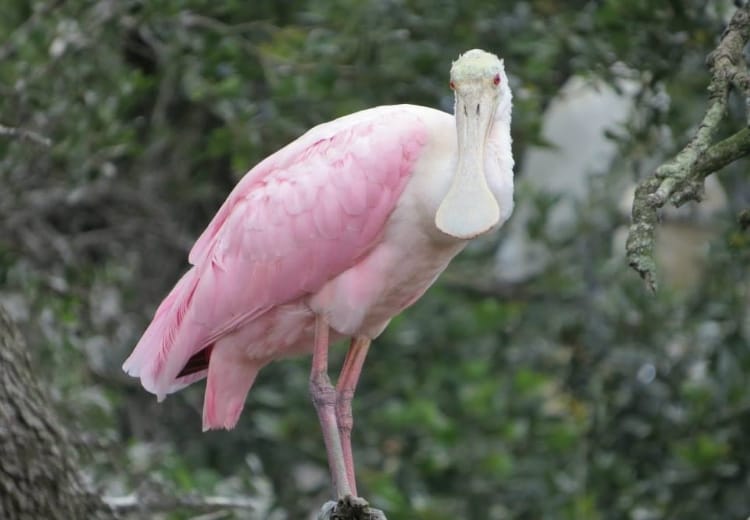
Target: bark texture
column 39, row 475
column 681, row 178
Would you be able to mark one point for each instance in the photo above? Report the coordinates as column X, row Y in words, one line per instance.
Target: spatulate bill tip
column 465, row 218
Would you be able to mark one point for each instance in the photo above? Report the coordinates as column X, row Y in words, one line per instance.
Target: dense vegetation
column 573, row 394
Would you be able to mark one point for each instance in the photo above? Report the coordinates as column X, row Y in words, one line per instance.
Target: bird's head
column 480, row 75
column 482, row 96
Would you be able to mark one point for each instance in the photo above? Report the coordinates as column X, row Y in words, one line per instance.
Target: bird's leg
column 345, row 388
column 324, row 398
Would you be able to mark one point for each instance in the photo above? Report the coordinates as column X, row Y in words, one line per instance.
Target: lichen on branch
column 681, row 178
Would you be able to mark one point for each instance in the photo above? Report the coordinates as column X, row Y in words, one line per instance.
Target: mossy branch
column 681, row 179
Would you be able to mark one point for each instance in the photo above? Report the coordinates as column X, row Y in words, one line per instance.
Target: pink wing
column 296, row 220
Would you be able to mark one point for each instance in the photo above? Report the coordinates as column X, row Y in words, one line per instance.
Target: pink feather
column 298, row 219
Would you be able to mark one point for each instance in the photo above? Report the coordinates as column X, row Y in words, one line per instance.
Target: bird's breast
column 405, row 263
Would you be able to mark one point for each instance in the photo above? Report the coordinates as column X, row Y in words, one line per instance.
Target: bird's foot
column 326, row 510
column 350, row 508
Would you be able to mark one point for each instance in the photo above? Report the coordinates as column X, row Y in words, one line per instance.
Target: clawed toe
column 350, row 508
column 327, row 510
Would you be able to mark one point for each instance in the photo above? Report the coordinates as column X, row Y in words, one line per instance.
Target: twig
column 29, row 135
column 190, row 19
column 157, row 503
column 681, row 178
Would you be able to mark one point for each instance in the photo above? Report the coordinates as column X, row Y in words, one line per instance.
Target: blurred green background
column 567, row 392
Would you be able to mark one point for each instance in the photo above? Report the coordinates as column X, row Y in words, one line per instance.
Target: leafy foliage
column 575, row 395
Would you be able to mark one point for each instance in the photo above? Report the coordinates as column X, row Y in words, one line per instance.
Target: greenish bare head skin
column 470, row 209
column 476, row 67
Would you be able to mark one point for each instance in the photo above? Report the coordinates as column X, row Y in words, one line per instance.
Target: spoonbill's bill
column 331, row 237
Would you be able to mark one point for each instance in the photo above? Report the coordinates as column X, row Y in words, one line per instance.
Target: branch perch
column 681, row 179
column 153, row 503
column 154, row 497
column 29, row 135
column 350, row 508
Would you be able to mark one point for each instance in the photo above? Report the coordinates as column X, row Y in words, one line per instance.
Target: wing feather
column 298, row 219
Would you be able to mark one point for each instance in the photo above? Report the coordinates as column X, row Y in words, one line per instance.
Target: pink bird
column 329, row 238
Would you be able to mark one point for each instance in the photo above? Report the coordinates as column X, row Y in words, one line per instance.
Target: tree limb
column 159, row 503
column 39, row 472
column 681, row 178
column 723, row 153
column 28, row 135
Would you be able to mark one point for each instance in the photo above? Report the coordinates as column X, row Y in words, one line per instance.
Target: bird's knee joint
column 344, row 403
column 344, row 397
column 321, row 390
column 345, row 422
column 344, row 414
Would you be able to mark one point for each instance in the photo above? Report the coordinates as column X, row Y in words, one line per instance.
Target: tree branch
column 153, row 497
column 723, row 153
column 158, row 503
column 39, row 471
column 28, row 135
column 681, row 178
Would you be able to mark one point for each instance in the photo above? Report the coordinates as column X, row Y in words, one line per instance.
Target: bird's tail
column 230, row 376
column 149, row 359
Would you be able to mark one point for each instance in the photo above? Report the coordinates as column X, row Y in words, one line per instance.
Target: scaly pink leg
column 324, row 398
column 345, row 388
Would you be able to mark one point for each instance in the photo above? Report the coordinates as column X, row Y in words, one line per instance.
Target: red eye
column 452, row 85
column 496, row 79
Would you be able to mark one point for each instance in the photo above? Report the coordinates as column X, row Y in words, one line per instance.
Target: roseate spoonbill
column 330, row 237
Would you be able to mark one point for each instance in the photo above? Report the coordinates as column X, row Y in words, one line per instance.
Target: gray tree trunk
column 39, row 476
